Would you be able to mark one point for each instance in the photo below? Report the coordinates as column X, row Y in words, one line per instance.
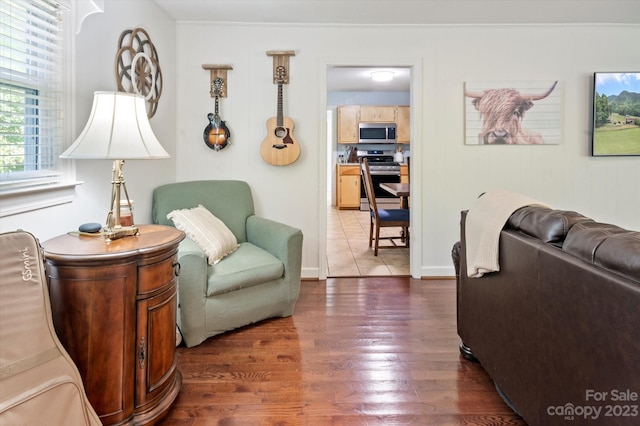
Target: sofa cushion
column 548, row 225
column 621, row 253
column 610, row 246
column 249, row 265
column 209, row 232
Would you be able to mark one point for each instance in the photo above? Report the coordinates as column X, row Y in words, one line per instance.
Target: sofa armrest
column 282, row 241
column 192, row 292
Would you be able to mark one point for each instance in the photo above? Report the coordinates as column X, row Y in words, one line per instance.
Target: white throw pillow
column 209, row 232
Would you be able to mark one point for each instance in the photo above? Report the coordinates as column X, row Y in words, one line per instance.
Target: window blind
column 31, row 86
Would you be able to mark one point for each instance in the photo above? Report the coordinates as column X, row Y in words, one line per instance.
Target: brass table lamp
column 118, row 129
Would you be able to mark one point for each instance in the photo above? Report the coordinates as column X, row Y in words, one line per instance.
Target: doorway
column 347, row 249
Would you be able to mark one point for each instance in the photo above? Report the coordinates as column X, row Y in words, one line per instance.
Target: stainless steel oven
column 383, row 170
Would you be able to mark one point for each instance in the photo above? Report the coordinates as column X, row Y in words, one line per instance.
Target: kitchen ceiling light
column 382, row 76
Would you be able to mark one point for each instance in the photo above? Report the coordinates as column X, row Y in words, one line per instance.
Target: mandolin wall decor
column 217, row 135
column 218, row 71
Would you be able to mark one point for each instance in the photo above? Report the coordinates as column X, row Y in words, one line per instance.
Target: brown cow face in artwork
column 502, row 111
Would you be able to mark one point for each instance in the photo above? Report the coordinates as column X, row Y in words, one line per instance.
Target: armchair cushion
column 209, row 232
column 248, row 266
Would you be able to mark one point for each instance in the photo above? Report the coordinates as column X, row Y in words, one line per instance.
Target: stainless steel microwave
column 377, row 132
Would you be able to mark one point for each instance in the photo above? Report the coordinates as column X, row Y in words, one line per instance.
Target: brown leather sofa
column 558, row 327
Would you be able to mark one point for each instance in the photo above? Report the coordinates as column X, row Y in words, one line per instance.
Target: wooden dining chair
column 407, row 202
column 383, row 218
column 408, row 169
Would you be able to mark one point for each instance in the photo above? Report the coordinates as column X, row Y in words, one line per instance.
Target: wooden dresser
column 114, row 310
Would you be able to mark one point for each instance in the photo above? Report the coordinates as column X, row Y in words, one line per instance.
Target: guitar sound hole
column 280, row 132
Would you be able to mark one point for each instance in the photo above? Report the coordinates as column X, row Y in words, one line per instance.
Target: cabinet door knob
column 176, row 268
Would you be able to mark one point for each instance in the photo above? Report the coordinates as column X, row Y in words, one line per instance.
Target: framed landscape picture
column 616, row 114
column 513, row 113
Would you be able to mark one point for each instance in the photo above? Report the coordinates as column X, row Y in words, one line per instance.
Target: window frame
column 24, row 195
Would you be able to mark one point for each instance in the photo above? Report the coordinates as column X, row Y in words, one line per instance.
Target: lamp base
column 114, row 228
column 123, row 231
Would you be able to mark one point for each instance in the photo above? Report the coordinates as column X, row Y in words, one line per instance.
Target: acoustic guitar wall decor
column 216, row 134
column 279, row 147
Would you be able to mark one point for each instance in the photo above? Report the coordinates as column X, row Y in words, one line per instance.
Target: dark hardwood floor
column 357, row 351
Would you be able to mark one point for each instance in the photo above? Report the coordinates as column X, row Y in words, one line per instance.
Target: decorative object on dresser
column 118, row 129
column 114, row 310
column 138, row 67
column 260, row 279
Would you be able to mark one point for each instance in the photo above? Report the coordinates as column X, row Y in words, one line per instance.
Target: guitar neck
column 279, row 118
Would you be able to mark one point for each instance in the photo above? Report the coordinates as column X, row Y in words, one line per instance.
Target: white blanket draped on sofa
column 485, row 220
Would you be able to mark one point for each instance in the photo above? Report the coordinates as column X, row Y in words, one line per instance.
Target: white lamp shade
column 118, row 129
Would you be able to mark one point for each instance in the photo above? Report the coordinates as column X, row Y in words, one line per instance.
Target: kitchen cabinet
column 379, row 114
column 350, row 116
column 403, row 124
column 404, row 173
column 114, row 309
column 348, row 124
column 348, row 186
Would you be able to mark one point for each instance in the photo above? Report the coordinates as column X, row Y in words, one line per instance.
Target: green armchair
column 260, row 280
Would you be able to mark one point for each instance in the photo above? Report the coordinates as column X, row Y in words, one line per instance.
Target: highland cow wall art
column 513, row 113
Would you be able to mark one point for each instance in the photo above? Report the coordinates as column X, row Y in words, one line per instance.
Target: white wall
column 450, row 175
column 95, row 57
column 97, row 46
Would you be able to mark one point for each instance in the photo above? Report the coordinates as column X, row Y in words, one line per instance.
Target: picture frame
column 513, row 112
column 615, row 129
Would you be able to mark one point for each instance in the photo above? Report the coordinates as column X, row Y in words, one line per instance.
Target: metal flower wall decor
column 138, row 67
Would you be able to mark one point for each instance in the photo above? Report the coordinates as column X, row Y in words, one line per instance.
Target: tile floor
column 348, row 252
